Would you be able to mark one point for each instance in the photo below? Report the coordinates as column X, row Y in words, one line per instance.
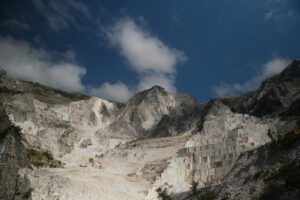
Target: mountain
column 158, row 145
column 278, row 95
column 157, row 113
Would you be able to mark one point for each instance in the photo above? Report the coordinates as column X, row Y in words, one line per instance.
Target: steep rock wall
column 210, row 154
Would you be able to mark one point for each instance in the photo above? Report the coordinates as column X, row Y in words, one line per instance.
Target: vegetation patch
column 281, row 181
column 4, row 131
column 203, row 194
column 39, row 158
column 91, row 160
column 163, row 194
column 287, row 141
column 27, row 194
column 206, row 194
column 51, row 95
column 194, row 187
column 3, row 135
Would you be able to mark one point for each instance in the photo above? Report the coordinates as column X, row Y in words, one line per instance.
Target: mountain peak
column 156, row 89
column 278, row 95
column 292, row 70
column 148, row 94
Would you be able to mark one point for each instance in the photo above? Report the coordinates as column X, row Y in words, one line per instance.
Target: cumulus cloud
column 270, row 68
column 143, row 51
column 23, row 61
column 154, row 62
column 118, row 92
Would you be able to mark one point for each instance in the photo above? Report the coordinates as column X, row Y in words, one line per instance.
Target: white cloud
column 22, row 61
column 118, row 92
column 154, row 62
column 143, row 51
column 270, row 68
column 58, row 14
column 274, row 66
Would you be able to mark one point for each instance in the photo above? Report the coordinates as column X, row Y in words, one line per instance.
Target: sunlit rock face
column 156, row 113
column 57, row 127
column 58, row 145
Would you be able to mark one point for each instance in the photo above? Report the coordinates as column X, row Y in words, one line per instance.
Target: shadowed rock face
column 13, row 156
column 62, row 145
column 269, row 172
column 278, row 95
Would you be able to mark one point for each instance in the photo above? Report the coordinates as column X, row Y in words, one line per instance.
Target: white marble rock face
column 209, row 154
column 127, row 151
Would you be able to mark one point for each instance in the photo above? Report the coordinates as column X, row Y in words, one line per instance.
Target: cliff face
column 69, row 146
column 12, row 157
column 278, row 95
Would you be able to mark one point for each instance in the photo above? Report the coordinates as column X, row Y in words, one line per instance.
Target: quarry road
column 85, row 176
column 85, row 183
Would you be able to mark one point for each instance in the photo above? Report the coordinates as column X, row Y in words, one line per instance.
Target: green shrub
column 194, row 187
column 163, row 194
column 27, row 194
column 40, row 158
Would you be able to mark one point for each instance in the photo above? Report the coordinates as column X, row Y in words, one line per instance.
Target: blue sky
column 113, row 49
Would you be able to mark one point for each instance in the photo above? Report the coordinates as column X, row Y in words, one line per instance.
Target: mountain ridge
column 157, row 141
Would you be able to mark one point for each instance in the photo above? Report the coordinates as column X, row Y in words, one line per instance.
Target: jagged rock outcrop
column 156, row 113
column 278, row 95
column 60, row 145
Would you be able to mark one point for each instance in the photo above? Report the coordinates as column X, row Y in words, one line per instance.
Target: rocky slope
column 278, row 95
column 58, row 145
column 269, row 172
